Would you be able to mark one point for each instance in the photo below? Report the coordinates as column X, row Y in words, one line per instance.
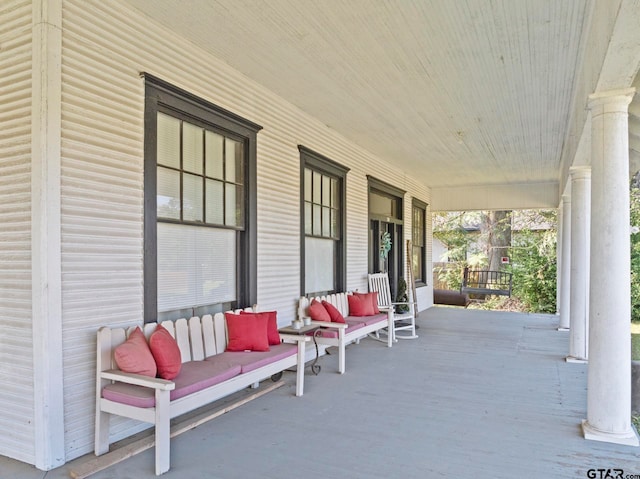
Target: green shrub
column 635, row 254
column 635, row 347
column 533, row 264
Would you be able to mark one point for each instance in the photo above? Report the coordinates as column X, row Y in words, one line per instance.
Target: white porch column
column 579, row 289
column 46, row 126
column 609, row 375
column 565, row 265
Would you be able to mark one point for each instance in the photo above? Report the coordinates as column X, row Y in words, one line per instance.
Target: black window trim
column 416, row 203
column 322, row 164
column 163, row 95
column 386, row 189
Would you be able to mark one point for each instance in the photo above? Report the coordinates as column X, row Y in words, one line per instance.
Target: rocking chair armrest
column 138, row 379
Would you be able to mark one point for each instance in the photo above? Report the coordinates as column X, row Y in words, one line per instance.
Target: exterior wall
column 105, row 47
column 424, row 294
column 16, row 350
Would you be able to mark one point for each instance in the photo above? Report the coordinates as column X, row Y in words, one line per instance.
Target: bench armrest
column 138, row 380
column 294, row 338
column 404, row 302
column 327, row 324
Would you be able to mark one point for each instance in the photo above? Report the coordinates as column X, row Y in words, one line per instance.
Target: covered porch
column 479, row 394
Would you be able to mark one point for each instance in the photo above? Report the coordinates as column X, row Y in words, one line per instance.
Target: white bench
column 202, row 344
column 355, row 328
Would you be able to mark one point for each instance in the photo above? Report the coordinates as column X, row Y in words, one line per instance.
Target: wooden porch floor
column 479, row 394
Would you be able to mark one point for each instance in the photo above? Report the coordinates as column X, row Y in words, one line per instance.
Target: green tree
column 449, row 228
column 496, row 228
column 531, row 247
column 533, row 264
column 635, row 253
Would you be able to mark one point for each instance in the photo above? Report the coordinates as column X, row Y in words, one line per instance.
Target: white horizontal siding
column 16, row 350
column 101, row 201
column 105, row 47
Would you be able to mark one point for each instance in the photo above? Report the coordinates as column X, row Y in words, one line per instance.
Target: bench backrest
column 198, row 338
column 339, row 300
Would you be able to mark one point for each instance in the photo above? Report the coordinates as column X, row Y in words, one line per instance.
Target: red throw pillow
column 247, row 332
column 358, row 306
column 336, row 316
column 134, row 356
column 373, row 298
column 166, row 352
column 273, row 336
column 318, row 312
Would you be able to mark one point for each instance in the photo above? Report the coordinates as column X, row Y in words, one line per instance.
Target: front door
column 391, row 262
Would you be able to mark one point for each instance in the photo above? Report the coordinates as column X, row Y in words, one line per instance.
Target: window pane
column 191, row 148
column 213, row 155
column 196, row 266
column 335, row 232
column 380, row 205
column 417, row 263
column 326, row 191
column 192, row 194
column 215, row 202
column 307, row 184
column 326, row 222
column 234, row 205
column 234, row 160
column 319, row 265
column 317, row 187
column 307, row 219
column 335, row 194
column 168, row 143
column 418, row 227
column 168, row 194
column 317, row 224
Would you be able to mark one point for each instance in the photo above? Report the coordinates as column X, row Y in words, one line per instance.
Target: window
column 200, row 174
column 322, row 236
column 200, row 228
column 419, row 213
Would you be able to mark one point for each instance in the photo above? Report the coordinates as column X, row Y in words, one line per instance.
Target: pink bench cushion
column 194, row 376
column 352, row 325
column 368, row 320
column 250, row 360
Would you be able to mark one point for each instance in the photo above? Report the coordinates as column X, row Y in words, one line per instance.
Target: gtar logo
column 605, row 474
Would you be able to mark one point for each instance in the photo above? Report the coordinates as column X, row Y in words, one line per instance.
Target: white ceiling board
column 456, row 93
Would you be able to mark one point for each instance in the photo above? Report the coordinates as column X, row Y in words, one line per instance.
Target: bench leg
column 391, row 327
column 341, row 352
column 102, row 432
column 255, row 385
column 163, row 432
column 300, row 369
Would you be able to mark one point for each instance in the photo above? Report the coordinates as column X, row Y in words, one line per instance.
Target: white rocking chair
column 379, row 282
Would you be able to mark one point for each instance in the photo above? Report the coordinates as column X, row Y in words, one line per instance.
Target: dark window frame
column 397, row 263
column 326, row 166
column 422, row 206
column 163, row 96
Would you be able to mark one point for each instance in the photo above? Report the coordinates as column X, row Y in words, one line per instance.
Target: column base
column 573, row 359
column 561, row 328
column 627, row 439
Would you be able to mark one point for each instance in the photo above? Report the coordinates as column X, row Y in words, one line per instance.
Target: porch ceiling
column 463, row 93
